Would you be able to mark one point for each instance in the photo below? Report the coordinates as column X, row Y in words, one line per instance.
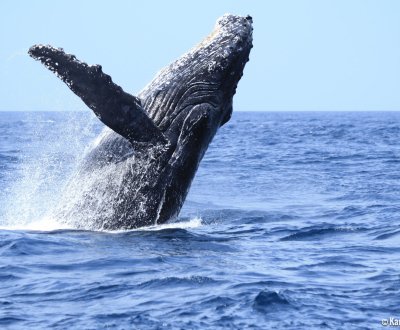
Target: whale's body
column 139, row 170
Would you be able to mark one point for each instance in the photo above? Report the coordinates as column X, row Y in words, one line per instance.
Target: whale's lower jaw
column 138, row 172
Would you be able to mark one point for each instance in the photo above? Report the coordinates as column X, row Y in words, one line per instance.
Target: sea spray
column 84, row 203
column 50, row 154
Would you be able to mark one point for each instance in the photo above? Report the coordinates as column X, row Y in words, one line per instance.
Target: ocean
column 292, row 222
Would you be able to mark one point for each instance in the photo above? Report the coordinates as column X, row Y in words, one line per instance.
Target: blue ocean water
column 293, row 221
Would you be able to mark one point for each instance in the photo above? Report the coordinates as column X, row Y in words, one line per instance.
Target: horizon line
column 268, row 110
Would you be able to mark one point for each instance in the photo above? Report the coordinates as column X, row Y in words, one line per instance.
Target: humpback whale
column 140, row 168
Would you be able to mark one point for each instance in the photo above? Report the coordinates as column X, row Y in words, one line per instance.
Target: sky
column 308, row 55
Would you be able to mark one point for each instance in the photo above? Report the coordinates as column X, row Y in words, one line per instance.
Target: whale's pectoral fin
column 117, row 109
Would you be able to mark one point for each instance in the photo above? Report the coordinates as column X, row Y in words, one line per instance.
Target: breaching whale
column 139, row 170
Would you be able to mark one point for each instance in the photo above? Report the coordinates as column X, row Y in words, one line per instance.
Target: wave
column 173, row 281
column 316, row 233
column 387, row 235
column 267, row 301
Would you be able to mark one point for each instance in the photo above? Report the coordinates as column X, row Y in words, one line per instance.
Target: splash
column 51, row 150
column 44, row 224
column 46, row 190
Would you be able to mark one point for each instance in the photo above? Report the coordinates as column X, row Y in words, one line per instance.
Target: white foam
column 51, row 224
column 44, row 224
column 190, row 224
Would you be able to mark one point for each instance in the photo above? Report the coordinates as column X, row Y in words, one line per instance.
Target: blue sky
column 307, row 55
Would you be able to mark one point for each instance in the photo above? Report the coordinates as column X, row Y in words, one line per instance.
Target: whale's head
column 226, row 52
column 206, row 76
column 223, row 55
